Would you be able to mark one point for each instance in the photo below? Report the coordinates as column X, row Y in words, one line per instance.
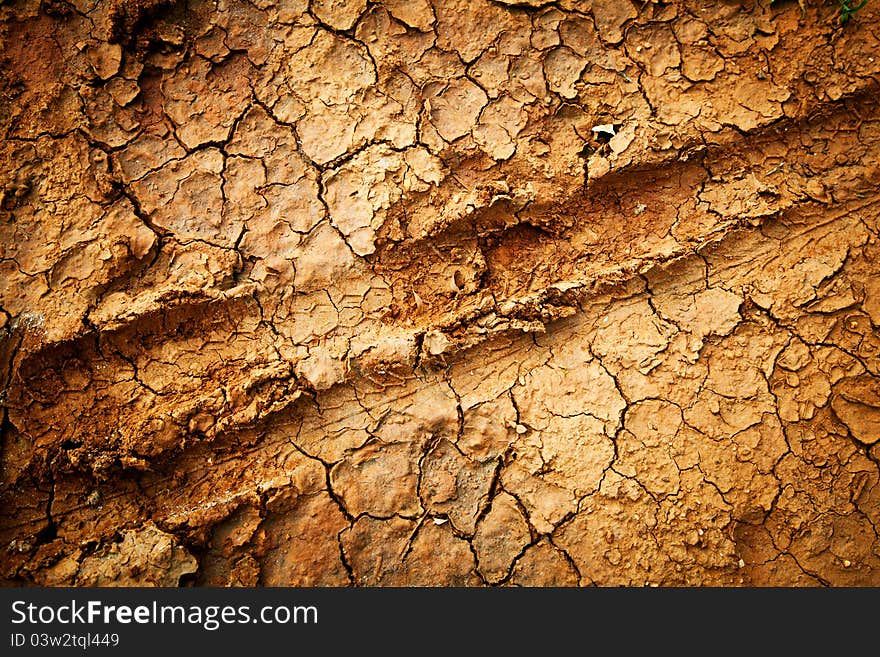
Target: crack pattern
column 439, row 292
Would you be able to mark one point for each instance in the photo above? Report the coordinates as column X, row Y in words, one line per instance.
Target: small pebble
column 94, row 498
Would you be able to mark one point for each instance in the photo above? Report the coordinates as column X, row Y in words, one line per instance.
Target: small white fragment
column 639, row 209
column 847, row 563
column 521, row 429
column 742, row 564
column 441, row 521
column 605, row 129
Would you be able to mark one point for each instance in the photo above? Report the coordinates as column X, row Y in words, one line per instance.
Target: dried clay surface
column 439, row 292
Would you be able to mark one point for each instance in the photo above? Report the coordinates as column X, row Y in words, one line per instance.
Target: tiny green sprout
column 848, row 10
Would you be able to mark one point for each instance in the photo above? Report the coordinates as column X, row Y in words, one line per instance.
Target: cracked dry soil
column 352, row 293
